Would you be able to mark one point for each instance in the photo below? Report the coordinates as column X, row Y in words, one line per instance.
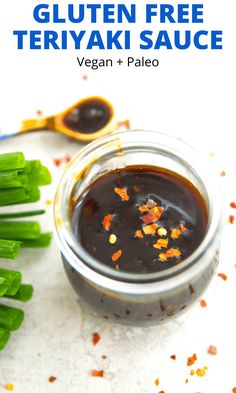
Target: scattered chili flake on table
column 173, row 357
column 124, row 123
column 231, row 219
column 234, row 390
column 52, row 379
column 222, row 173
column 233, row 205
column 39, row 112
column 212, row 350
column 203, row 303
column 157, row 382
column 107, row 221
column 186, row 380
column 191, row 360
column 67, row 158
column 122, row 192
column 85, row 77
column 104, row 357
column 96, row 338
column 57, row 161
column 223, row 276
column 97, row 373
column 116, row 255
column 9, row 387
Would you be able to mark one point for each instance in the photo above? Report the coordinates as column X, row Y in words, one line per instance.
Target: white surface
column 191, row 95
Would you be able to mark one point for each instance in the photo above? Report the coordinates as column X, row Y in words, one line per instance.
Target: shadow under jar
column 138, row 219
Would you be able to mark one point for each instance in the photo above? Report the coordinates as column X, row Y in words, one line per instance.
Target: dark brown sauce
column 183, row 208
column 89, row 116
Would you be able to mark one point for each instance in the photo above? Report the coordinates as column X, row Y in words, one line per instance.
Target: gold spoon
column 88, row 119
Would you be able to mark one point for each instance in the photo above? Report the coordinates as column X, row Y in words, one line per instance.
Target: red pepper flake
column 212, row 350
column 186, row 380
column 157, row 382
column 234, row 390
column 149, row 218
column 157, row 210
column 104, row 357
column 116, row 255
column 223, row 276
column 233, row 205
column 150, row 229
column 173, row 252
column 191, row 360
column 203, row 303
column 231, row 219
column 57, row 161
column 124, row 123
column 173, row 357
column 97, row 373
column 162, row 391
column 222, row 173
column 143, row 208
column 84, row 77
column 162, row 257
column 175, row 233
column 96, row 338
column 182, row 228
column 52, row 379
column 122, row 192
column 107, row 221
column 138, row 234
column 39, row 112
column 161, row 243
column 67, row 159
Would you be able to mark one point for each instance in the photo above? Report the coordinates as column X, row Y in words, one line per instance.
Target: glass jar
column 131, row 298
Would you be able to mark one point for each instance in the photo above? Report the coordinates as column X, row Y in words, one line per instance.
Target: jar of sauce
column 138, row 218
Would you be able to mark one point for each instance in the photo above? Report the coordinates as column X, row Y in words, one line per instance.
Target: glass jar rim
column 129, row 282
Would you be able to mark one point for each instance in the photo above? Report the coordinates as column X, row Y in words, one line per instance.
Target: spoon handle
column 10, row 129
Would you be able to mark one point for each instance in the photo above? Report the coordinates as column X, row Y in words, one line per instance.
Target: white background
column 191, row 95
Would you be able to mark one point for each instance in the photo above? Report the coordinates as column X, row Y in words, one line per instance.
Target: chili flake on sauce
column 97, row 373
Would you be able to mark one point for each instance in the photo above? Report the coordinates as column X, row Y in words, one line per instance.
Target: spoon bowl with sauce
column 88, row 119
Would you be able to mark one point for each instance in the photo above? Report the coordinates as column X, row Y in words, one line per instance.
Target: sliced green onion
column 13, row 280
column 24, row 294
column 4, row 337
column 29, row 213
column 19, row 230
column 43, row 240
column 11, row 161
column 10, row 318
column 38, row 174
column 9, row 249
column 3, row 286
column 12, row 179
